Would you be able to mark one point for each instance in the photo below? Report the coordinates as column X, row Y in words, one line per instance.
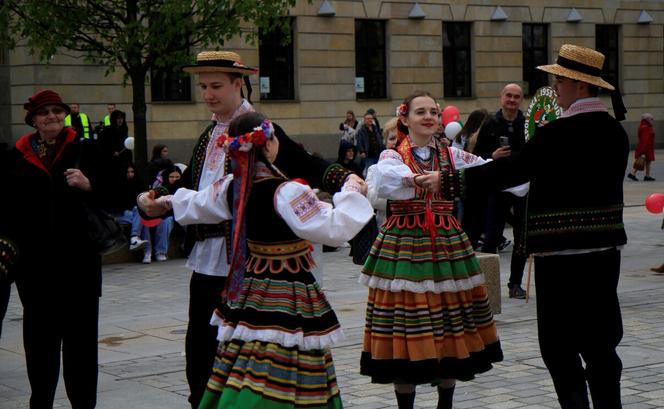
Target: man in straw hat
column 202, row 206
column 574, row 228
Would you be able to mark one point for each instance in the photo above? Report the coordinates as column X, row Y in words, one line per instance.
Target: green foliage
column 138, row 35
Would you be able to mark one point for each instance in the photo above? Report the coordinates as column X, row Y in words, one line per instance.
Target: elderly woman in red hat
column 52, row 176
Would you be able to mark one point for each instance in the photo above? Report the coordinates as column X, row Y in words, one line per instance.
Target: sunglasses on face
column 53, row 110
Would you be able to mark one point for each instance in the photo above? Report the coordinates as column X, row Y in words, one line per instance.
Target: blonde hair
column 389, row 126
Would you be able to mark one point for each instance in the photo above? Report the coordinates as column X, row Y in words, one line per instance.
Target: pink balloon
column 450, row 114
column 655, row 203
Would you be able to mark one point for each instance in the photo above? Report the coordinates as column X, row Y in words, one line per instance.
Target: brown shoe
column 659, row 269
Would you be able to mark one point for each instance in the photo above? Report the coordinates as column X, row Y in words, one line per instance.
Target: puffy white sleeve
column 372, row 192
column 393, row 178
column 463, row 159
column 317, row 221
column 206, row 206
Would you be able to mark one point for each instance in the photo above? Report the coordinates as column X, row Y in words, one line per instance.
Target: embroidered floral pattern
column 306, row 206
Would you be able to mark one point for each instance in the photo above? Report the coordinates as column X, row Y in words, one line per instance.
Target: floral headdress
column 242, row 149
column 246, row 141
column 402, row 110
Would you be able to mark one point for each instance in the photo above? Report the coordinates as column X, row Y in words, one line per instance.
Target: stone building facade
column 353, row 54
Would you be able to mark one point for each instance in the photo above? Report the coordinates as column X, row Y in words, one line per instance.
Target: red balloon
column 655, row 203
column 450, row 114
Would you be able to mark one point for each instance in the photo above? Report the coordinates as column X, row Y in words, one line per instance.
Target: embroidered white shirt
column 207, row 204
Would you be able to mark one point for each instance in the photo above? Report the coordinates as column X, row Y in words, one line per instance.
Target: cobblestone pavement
column 144, row 310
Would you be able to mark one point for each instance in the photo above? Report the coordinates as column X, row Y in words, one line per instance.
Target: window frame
column 530, row 74
column 163, row 85
column 269, row 54
column 450, row 54
column 377, row 73
column 609, row 74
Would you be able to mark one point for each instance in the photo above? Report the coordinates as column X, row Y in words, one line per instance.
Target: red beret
column 41, row 99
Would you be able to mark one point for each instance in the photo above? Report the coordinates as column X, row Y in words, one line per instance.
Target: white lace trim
column 285, row 339
column 447, row 286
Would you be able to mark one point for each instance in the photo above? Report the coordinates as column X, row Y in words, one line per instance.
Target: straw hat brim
column 556, row 69
column 197, row 69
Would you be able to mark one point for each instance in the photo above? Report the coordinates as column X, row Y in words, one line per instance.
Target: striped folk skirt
column 428, row 316
column 275, row 339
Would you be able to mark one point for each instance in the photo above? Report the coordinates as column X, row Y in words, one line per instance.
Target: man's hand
column 501, row 152
column 150, row 206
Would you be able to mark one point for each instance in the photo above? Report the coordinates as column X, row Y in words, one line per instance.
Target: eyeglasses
column 53, row 110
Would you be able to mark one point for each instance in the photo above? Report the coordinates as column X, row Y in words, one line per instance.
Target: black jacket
column 488, row 139
column 48, row 222
column 576, row 167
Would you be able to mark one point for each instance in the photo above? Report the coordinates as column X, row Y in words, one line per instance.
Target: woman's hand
column 358, row 182
column 429, row 181
column 76, row 178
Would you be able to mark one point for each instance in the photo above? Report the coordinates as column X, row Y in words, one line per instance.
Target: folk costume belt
column 292, row 256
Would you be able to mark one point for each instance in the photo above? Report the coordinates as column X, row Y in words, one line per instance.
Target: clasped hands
column 153, row 207
column 353, row 178
column 430, row 181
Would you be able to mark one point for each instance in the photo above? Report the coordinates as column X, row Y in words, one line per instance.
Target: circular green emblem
column 542, row 109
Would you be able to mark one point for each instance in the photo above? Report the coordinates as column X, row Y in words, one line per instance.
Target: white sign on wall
column 359, row 84
column 265, row 85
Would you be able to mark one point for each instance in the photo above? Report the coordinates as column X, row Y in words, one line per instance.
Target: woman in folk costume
column 428, row 317
column 277, row 327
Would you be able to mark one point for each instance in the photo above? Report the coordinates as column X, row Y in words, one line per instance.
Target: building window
column 170, row 86
column 456, row 60
column 606, row 42
column 535, row 52
column 276, row 72
column 370, row 65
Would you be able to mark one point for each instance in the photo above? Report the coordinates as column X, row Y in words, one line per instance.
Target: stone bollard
column 490, row 266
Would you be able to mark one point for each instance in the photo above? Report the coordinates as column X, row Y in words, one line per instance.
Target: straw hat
column 579, row 63
column 219, row 61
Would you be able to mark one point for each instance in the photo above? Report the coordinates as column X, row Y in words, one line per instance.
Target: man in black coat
column 575, row 230
column 504, row 135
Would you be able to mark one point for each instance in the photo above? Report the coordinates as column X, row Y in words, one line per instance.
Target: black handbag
column 104, row 232
column 360, row 245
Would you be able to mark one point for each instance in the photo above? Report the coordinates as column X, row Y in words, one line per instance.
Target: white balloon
column 452, row 129
column 182, row 166
column 129, row 143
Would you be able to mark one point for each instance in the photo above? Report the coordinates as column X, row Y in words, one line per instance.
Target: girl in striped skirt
column 428, row 318
column 277, row 327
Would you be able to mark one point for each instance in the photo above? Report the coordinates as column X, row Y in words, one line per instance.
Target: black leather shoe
column 517, row 292
column 634, row 178
column 649, row 179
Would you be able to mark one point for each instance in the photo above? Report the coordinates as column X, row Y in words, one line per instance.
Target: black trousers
column 578, row 316
column 495, row 221
column 518, row 261
column 56, row 322
column 201, row 339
